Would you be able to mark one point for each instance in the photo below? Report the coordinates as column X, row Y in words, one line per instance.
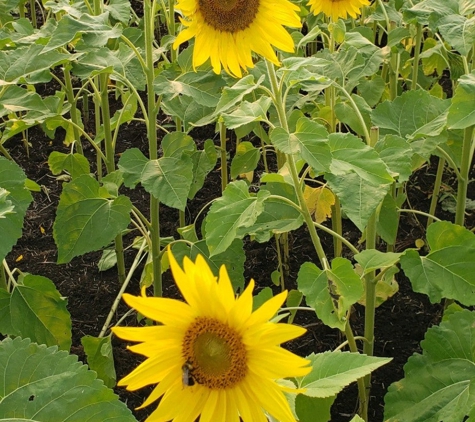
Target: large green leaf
column 412, row 115
column 94, row 30
column 447, row 271
column 247, row 112
column 439, row 385
column 87, row 219
column 29, row 64
column 231, row 215
column 332, row 371
column 203, row 87
column 309, row 140
column 246, row 159
column 76, row 164
column 357, row 176
column 36, row 310
column 12, row 180
column 462, row 109
column 458, row 31
column 169, row 180
column 43, row 384
column 331, row 293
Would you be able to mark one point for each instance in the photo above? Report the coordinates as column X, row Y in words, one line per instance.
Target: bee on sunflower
column 212, row 356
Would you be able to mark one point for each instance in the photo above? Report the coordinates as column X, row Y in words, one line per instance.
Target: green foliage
column 331, row 293
column 99, row 358
column 36, row 310
column 447, row 271
column 44, row 384
column 438, row 385
column 15, row 199
column 87, row 218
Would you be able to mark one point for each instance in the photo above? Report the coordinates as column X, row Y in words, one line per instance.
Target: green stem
column 436, row 190
column 73, row 111
column 361, row 384
column 279, row 105
column 417, row 51
column 464, row 175
column 393, row 68
column 337, row 227
column 152, row 111
column 172, row 28
column 3, row 278
column 33, row 13
column 224, row 158
column 110, row 165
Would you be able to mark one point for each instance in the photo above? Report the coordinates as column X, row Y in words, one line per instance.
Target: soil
column 400, row 322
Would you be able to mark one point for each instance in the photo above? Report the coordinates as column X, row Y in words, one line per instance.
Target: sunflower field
column 237, row 210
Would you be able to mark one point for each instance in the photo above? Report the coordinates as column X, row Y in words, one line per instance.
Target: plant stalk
column 436, row 190
column 152, row 111
column 464, row 176
column 417, row 51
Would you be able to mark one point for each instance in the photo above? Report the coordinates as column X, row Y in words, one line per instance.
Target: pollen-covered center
column 215, row 353
column 229, row 15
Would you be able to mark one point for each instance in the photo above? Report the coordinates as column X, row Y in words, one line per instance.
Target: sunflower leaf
column 13, row 205
column 231, row 215
column 333, row 371
column 86, row 219
column 447, row 271
column 439, row 384
column 43, row 384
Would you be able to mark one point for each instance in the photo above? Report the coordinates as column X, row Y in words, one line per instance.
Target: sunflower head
column 212, row 352
column 336, row 9
column 228, row 31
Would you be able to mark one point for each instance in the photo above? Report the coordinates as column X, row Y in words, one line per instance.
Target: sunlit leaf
column 458, row 31
column 332, row 371
column 319, row 202
column 43, row 384
column 247, row 112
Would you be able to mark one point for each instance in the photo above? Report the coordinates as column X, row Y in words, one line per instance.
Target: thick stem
column 110, row 165
column 293, row 170
column 370, row 295
column 393, row 69
column 73, row 111
column 417, row 51
column 464, row 176
column 224, row 158
column 337, row 227
column 152, row 111
column 3, row 278
column 436, row 190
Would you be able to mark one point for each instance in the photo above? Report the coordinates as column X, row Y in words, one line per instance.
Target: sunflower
column 337, row 8
column 227, row 31
column 212, row 357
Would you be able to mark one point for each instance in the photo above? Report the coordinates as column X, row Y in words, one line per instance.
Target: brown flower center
column 229, row 15
column 214, row 353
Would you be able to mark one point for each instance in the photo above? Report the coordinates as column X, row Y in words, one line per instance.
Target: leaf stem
column 464, row 176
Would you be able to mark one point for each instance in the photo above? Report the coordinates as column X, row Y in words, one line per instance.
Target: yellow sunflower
column 337, row 8
column 227, row 31
column 212, row 357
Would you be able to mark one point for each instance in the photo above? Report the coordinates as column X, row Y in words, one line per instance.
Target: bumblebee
column 187, row 375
